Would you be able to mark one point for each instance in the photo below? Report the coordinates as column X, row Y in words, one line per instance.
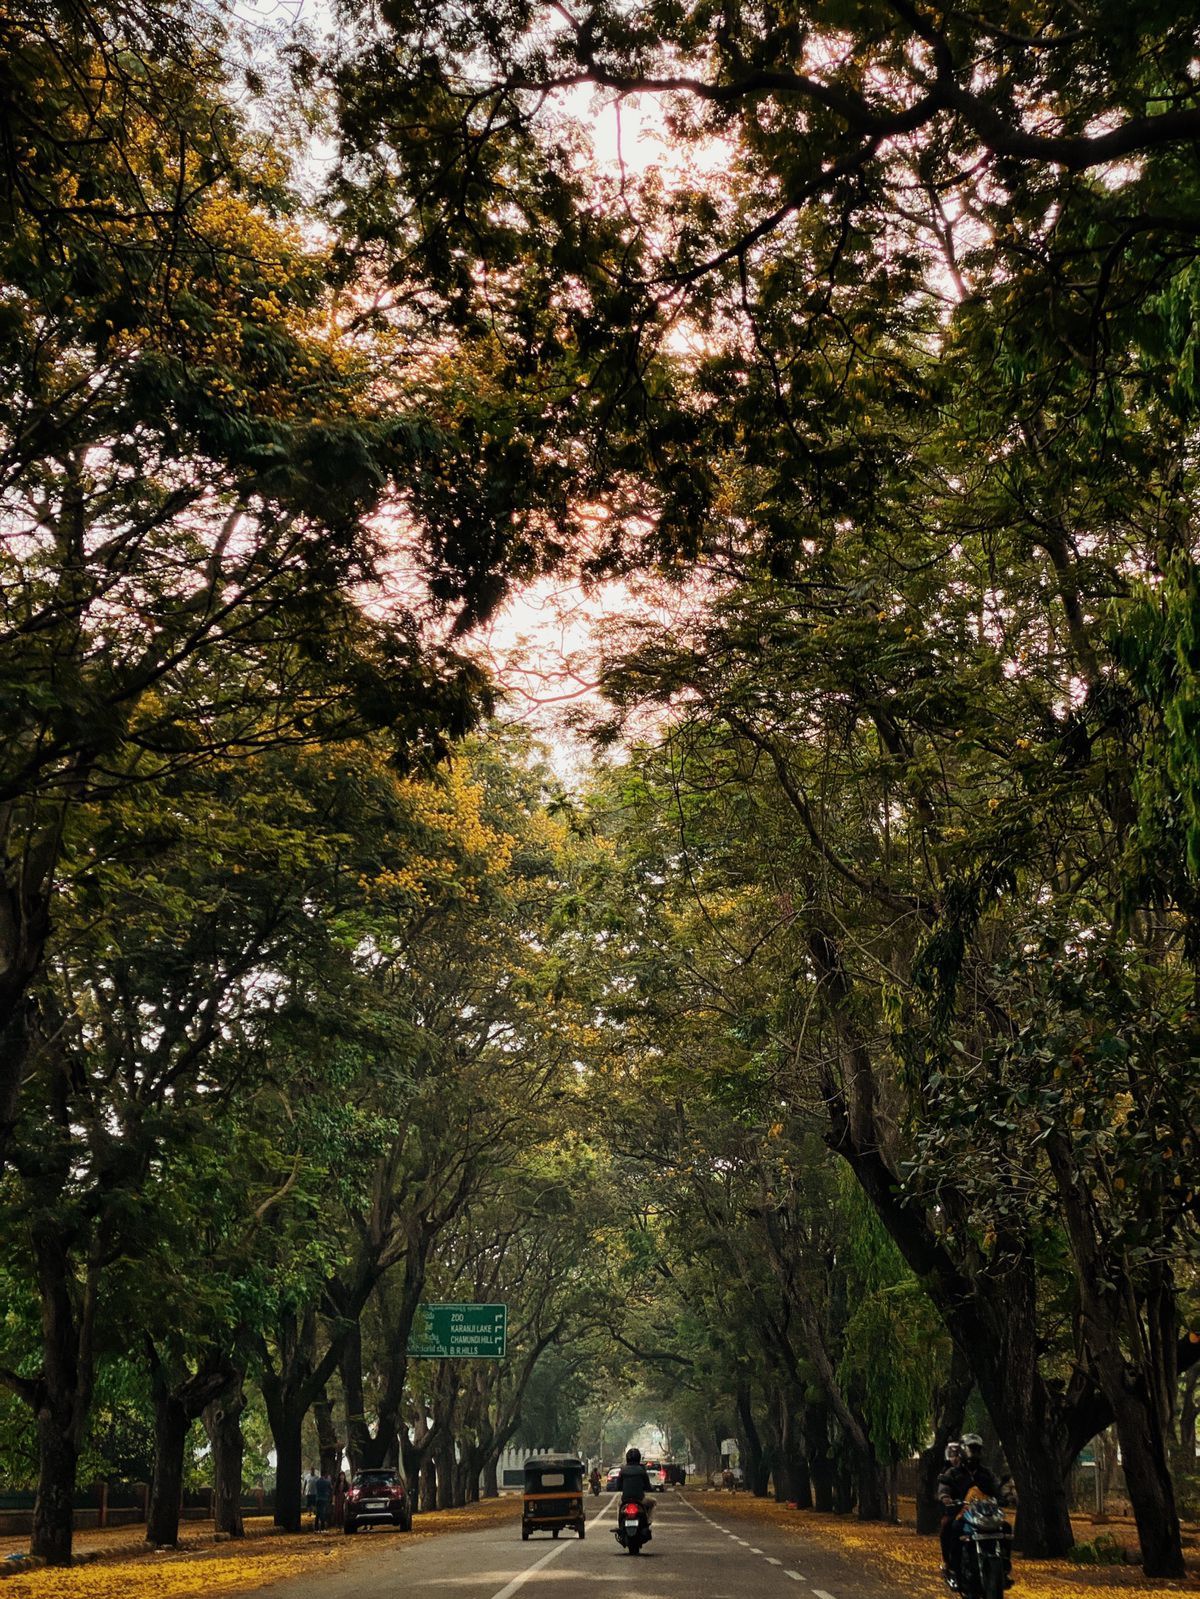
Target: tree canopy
column 847, row 1000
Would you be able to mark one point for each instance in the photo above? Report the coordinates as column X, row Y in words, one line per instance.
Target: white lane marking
column 742, row 1541
column 821, row 1594
column 756, row 1551
column 522, row 1577
column 794, row 1575
column 771, row 1561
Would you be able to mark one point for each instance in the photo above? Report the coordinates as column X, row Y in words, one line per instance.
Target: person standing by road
column 323, row 1500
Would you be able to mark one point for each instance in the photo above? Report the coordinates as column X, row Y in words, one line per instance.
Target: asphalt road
column 695, row 1554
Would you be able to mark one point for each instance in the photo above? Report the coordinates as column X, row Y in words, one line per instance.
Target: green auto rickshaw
column 553, row 1495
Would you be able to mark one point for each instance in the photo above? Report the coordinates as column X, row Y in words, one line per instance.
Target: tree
column 189, row 461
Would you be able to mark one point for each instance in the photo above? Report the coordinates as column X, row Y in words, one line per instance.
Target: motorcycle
column 984, row 1561
column 595, row 1479
column 633, row 1529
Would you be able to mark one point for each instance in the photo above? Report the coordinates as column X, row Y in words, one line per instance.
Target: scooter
column 595, row 1482
column 633, row 1527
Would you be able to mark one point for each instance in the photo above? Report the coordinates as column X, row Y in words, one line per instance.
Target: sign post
column 459, row 1332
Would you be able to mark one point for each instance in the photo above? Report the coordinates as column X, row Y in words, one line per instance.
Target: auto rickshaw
column 553, row 1495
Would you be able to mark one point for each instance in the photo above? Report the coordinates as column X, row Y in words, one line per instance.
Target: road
column 695, row 1554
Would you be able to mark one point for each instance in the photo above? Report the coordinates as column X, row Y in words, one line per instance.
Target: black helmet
column 633, row 1457
column 954, row 1453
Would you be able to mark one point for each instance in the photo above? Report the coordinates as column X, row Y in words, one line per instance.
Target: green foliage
column 1103, row 1550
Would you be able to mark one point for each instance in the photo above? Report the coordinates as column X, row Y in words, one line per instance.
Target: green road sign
column 459, row 1332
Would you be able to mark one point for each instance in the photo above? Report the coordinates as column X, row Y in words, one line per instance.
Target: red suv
column 377, row 1496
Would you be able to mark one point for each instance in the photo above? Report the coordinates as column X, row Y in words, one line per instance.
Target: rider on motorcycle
column 634, row 1483
column 595, row 1480
column 963, row 1471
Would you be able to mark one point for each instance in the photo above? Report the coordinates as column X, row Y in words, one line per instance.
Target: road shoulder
column 909, row 1565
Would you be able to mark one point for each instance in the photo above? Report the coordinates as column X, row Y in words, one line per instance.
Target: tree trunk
column 491, row 1477
column 26, row 888
column 871, row 1479
column 223, row 1424
column 951, row 1403
column 429, row 1483
column 1184, row 1450
column 178, row 1399
column 994, row 1316
column 1140, row 1388
column 843, row 1489
column 757, row 1466
column 54, row 1507
column 412, row 1456
column 287, row 1430
column 1148, row 1482
column 358, row 1434
column 397, row 1311
column 816, row 1448
column 14, row 1050
column 61, row 1397
column 792, row 1482
column 443, row 1452
column 171, row 1426
column 328, row 1442
column 1043, row 1529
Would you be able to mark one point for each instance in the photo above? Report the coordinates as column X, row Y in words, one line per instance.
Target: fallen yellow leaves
column 123, row 1570
column 159, row 1577
column 911, row 1564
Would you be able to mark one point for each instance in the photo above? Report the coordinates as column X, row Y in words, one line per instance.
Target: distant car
column 658, row 1475
column 613, row 1481
column 377, row 1497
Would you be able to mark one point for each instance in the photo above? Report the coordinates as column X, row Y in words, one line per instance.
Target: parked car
column 377, row 1497
column 613, row 1481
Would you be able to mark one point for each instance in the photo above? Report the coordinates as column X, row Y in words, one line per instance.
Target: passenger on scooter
column 963, row 1471
column 634, row 1483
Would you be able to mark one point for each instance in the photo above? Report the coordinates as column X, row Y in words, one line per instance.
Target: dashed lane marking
column 796, row 1576
column 821, row 1594
column 523, row 1576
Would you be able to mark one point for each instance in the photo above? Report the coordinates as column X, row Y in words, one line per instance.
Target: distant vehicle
column 376, row 1497
column 658, row 1475
column 613, row 1481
